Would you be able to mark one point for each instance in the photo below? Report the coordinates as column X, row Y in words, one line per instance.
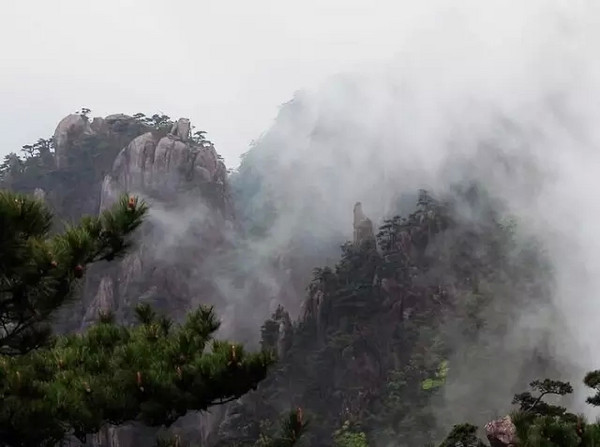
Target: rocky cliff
column 189, row 228
column 413, row 314
column 96, row 160
column 68, row 168
column 398, row 327
column 186, row 184
column 89, row 164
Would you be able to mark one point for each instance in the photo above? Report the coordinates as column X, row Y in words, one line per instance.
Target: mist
column 501, row 93
column 505, row 94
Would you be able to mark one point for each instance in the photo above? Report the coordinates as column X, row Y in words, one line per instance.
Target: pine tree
column 53, row 388
column 39, row 273
column 541, row 424
column 152, row 373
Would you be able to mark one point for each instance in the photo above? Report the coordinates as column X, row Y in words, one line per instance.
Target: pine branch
column 113, row 374
column 39, row 273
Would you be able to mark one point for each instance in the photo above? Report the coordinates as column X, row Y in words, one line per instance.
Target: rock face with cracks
column 164, row 167
column 69, row 130
column 184, row 181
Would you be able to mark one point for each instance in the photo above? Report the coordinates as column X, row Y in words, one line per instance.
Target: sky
column 227, row 65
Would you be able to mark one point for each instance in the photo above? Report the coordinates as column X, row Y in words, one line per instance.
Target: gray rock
column 150, row 165
column 104, row 301
column 166, row 269
column 172, row 161
column 110, row 119
column 99, row 125
column 182, row 129
column 69, row 129
column 363, row 227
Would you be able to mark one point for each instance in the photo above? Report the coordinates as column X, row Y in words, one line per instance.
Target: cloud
column 501, row 92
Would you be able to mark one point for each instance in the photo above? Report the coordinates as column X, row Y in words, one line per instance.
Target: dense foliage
column 153, row 373
column 381, row 329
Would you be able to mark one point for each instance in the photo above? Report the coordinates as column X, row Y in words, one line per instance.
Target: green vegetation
column 55, row 387
column 347, row 437
column 290, row 432
column 541, row 424
column 375, row 345
column 38, row 272
column 153, row 373
column 419, row 307
column 156, row 121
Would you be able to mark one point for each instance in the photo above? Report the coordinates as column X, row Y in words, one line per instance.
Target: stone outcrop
column 85, row 150
column 102, row 158
column 363, row 226
column 69, row 129
column 113, row 130
column 181, row 129
column 162, row 167
column 502, row 433
column 174, row 174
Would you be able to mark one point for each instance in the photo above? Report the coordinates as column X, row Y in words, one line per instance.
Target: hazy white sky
column 226, row 64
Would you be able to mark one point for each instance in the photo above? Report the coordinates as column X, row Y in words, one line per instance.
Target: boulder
column 502, row 432
column 181, row 129
column 69, row 129
column 99, row 125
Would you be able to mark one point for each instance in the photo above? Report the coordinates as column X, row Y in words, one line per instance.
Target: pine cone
column 132, row 203
column 78, row 271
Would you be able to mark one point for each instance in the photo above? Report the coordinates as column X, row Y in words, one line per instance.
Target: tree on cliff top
column 52, row 388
